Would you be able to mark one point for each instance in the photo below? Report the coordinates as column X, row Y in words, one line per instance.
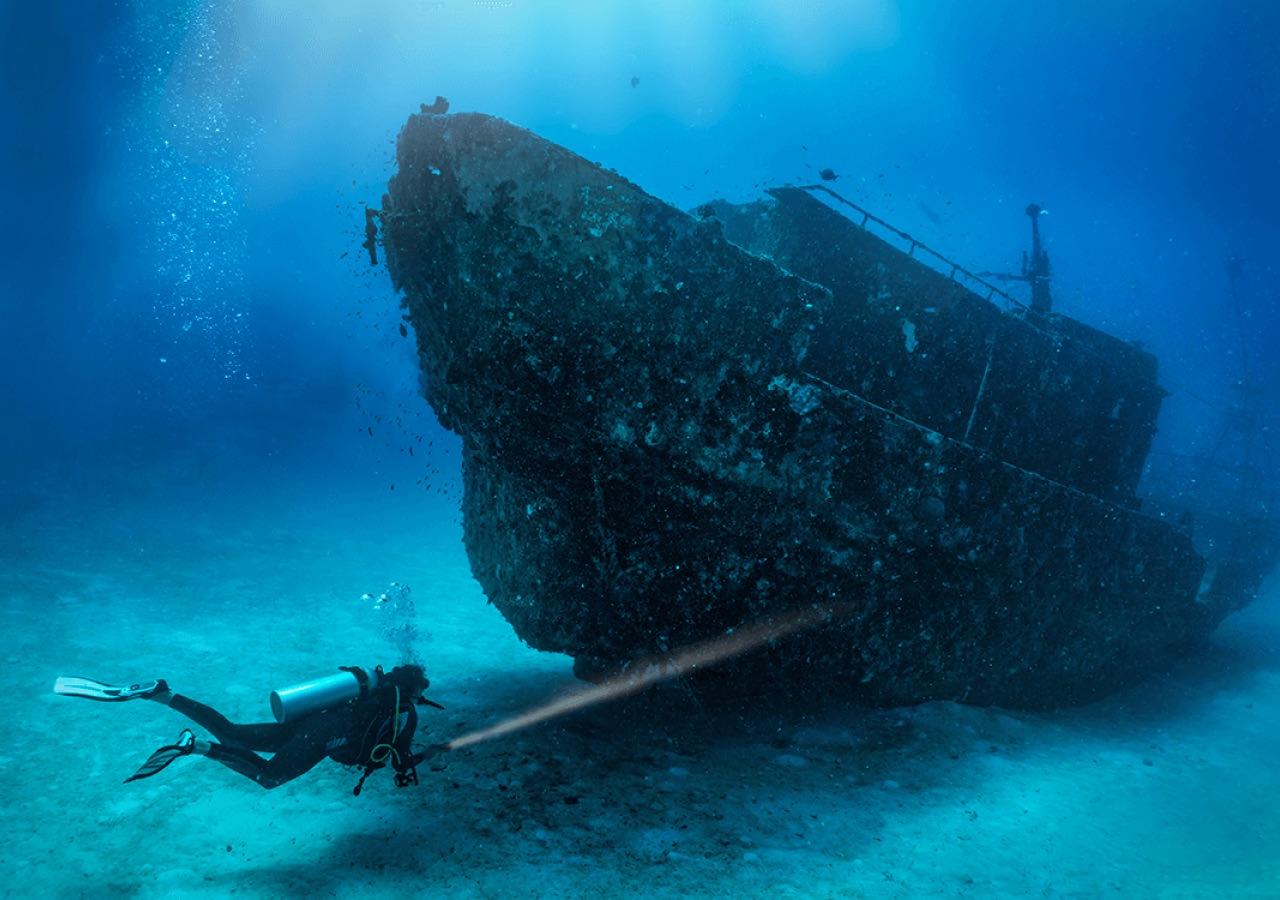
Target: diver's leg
column 297, row 757
column 268, row 737
column 238, row 759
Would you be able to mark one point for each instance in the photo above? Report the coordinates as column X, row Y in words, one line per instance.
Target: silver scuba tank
column 292, row 703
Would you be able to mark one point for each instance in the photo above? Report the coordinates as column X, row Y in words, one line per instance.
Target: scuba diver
column 355, row 718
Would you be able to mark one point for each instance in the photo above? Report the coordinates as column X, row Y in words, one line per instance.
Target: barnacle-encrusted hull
column 660, row 443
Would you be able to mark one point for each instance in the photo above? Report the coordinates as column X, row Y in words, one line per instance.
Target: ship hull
column 650, row 463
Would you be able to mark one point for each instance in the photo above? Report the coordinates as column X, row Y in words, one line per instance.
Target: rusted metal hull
column 650, row 459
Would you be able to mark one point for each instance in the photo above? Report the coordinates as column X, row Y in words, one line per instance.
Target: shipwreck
column 676, row 424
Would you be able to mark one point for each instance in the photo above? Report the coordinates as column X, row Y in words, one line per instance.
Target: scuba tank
column 292, row 703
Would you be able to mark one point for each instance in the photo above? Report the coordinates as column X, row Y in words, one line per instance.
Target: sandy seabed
column 231, row 587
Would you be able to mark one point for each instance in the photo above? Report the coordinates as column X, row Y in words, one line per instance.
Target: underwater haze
column 220, row 466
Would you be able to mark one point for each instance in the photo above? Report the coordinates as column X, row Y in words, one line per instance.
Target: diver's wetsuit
column 347, row 733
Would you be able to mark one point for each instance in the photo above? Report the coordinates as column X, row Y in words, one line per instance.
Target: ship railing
column 957, row 273
column 942, row 263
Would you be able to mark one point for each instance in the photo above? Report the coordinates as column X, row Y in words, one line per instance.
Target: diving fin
column 158, row 761
column 72, row 686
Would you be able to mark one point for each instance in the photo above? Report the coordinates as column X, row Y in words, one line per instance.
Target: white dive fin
column 73, row 686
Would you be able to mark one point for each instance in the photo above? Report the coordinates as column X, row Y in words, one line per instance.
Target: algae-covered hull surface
column 651, row 459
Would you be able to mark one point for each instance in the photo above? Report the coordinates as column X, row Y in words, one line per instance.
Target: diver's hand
column 422, row 755
column 407, row 771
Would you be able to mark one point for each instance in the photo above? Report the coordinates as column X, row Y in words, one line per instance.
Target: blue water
column 209, row 411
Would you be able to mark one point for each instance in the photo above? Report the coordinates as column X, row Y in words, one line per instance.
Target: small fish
column 929, row 213
column 635, row 80
column 828, row 175
column 370, row 430
column 404, row 332
column 371, row 235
